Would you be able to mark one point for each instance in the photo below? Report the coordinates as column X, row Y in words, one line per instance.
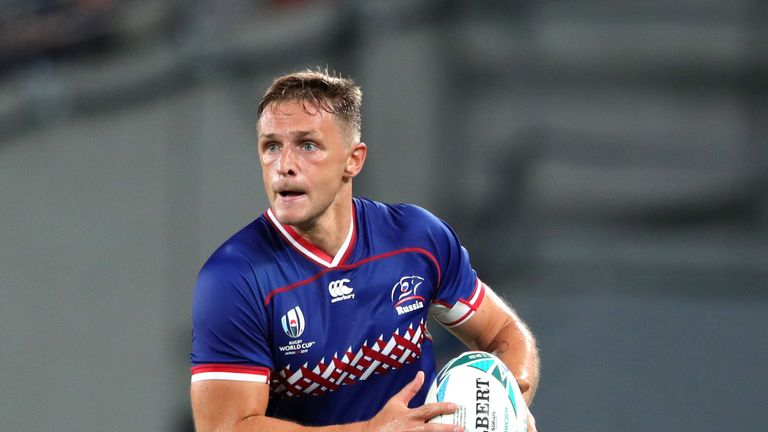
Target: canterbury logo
column 340, row 291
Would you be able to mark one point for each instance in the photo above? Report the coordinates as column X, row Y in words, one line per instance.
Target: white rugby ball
column 486, row 392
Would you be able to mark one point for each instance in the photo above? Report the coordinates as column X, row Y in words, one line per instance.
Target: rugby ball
column 486, row 392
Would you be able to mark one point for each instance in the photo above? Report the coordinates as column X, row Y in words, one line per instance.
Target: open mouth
column 289, row 194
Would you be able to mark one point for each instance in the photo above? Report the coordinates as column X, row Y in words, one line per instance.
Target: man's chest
column 354, row 320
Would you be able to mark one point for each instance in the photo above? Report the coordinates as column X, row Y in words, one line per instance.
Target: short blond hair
column 321, row 89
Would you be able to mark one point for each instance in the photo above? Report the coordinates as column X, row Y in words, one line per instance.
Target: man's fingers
column 524, row 384
column 409, row 391
column 436, row 427
column 430, row 410
column 531, row 422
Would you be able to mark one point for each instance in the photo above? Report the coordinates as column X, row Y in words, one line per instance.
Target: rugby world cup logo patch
column 293, row 322
column 405, row 297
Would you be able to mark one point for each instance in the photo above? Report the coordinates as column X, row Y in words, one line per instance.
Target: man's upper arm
column 489, row 317
column 230, row 356
column 225, row 405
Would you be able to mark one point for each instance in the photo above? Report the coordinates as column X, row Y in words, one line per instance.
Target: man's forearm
column 496, row 328
column 515, row 345
column 262, row 423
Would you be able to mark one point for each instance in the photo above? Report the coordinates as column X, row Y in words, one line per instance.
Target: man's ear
column 355, row 159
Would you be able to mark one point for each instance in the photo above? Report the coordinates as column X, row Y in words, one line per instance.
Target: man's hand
column 395, row 416
column 525, row 386
column 531, row 421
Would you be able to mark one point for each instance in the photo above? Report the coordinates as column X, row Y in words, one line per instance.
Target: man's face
column 304, row 161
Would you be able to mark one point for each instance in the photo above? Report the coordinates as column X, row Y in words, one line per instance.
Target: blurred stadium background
column 604, row 162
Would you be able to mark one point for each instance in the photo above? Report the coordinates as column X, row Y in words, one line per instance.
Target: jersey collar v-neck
column 312, row 252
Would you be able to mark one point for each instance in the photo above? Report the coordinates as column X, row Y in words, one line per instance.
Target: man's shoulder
column 404, row 225
column 404, row 214
column 248, row 247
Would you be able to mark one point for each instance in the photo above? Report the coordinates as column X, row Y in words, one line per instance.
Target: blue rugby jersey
column 335, row 337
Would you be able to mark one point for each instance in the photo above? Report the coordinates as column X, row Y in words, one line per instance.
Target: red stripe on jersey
column 318, row 253
column 351, row 266
column 465, row 301
column 278, row 380
column 465, row 316
column 307, row 245
column 409, row 298
column 410, row 345
column 352, row 241
column 300, row 252
column 232, row 368
column 442, row 303
column 472, row 306
column 346, row 368
column 318, row 379
column 381, row 358
column 478, row 286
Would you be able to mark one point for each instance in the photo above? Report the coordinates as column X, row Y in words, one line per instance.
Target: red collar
column 312, row 252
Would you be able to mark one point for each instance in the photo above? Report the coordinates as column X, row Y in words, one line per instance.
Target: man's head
column 310, row 149
column 319, row 90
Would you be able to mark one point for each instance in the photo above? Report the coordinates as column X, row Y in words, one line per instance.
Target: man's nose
column 286, row 163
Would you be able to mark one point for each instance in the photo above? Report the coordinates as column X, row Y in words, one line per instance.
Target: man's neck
column 329, row 232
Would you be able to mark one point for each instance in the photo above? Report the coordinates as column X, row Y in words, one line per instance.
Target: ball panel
column 487, row 394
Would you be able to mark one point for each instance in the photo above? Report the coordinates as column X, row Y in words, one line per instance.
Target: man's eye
column 271, row 147
column 308, row 146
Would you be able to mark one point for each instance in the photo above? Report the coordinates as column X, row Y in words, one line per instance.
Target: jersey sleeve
column 229, row 337
column 459, row 292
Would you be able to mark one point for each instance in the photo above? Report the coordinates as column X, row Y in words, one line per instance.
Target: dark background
column 605, row 164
